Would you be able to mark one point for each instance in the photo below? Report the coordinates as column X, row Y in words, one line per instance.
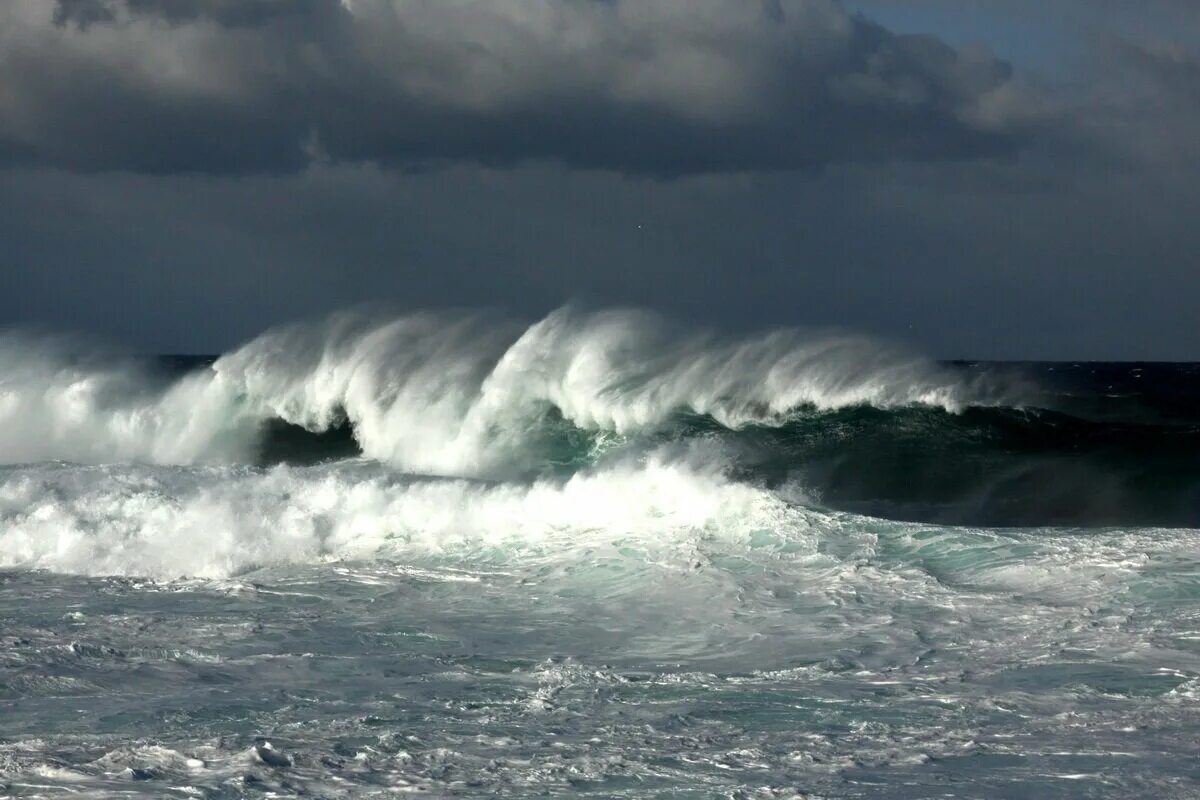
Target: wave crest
column 450, row 393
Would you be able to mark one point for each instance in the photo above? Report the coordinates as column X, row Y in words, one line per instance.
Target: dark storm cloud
column 184, row 173
column 1149, row 97
column 229, row 13
column 653, row 86
column 1101, row 269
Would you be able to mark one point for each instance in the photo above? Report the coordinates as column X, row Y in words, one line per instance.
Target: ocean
column 456, row 555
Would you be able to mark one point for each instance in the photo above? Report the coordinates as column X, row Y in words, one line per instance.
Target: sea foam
column 215, row 522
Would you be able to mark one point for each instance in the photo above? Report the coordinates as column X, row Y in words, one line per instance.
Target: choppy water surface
column 601, row 566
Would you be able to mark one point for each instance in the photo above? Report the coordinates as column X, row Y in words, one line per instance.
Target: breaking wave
column 406, row 552
column 365, row 435
column 454, row 394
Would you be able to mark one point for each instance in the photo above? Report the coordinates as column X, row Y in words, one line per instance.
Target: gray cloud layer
column 652, row 86
column 180, row 174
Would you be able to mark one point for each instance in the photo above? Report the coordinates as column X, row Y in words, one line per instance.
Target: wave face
column 600, row 555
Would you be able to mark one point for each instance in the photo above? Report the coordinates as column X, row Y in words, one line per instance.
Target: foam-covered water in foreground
column 597, row 556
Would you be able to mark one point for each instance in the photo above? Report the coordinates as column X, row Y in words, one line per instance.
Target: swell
column 986, row 466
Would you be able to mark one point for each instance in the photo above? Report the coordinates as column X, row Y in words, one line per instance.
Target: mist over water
column 600, row 554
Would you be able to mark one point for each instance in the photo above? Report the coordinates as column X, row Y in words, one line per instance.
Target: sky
column 1011, row 179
